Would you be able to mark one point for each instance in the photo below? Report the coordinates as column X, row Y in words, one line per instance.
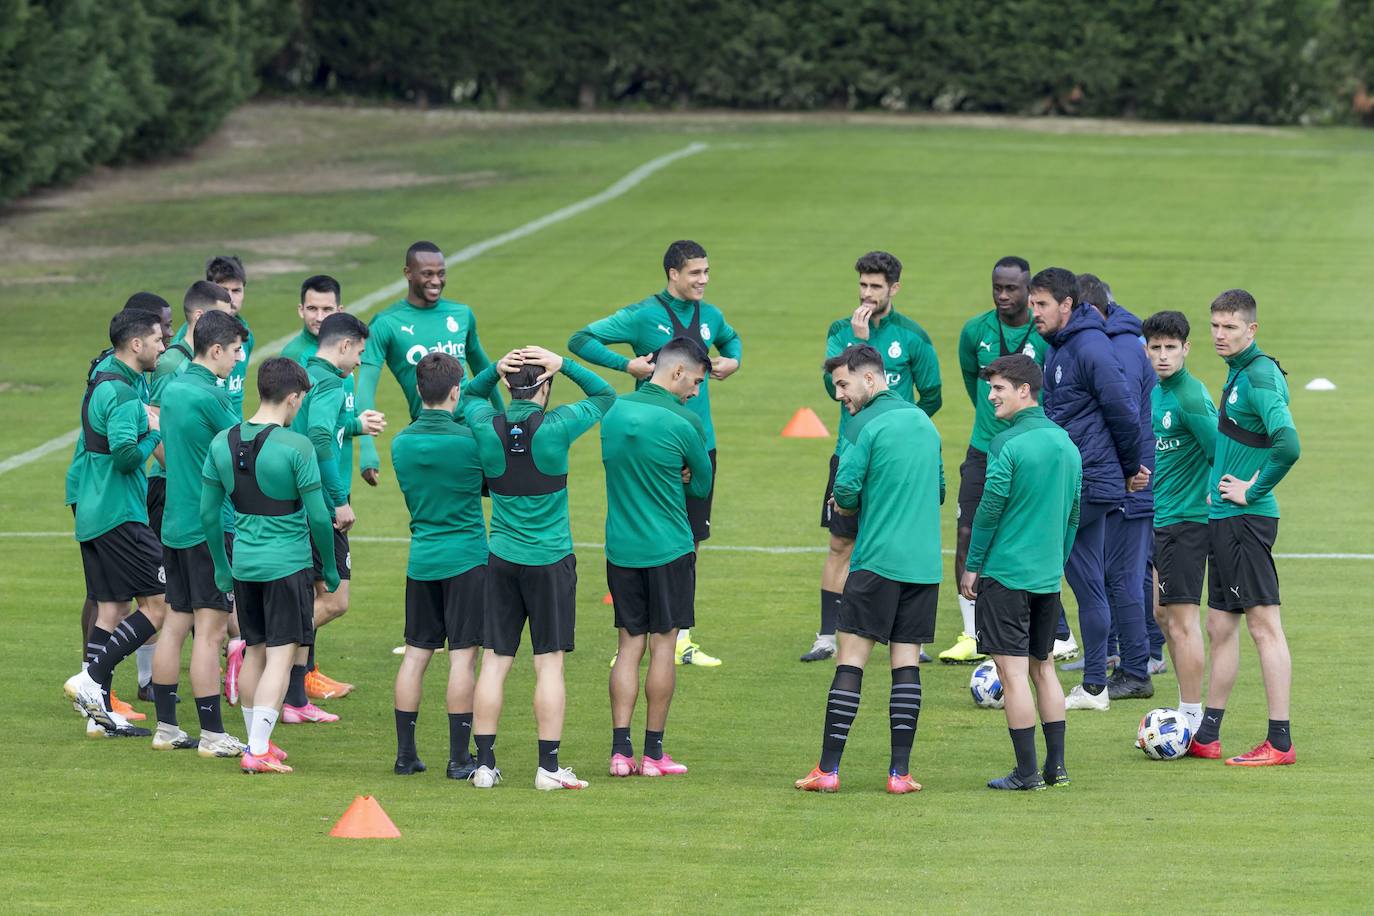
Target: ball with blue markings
column 986, row 686
column 1164, row 734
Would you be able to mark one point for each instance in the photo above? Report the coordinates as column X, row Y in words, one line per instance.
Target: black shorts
column 1241, row 571
column 1013, row 621
column 973, row 477
column 191, row 579
column 157, row 501
column 699, row 510
column 124, row 563
column 343, row 560
column 884, row 610
column 841, row 526
column 446, row 609
column 654, row 599
column 1180, row 561
column 279, row 612
column 545, row 595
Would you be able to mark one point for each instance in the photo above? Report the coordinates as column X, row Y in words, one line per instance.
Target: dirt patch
column 39, row 281
column 274, row 266
column 306, row 245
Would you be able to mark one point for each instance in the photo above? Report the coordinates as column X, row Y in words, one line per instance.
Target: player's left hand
column 968, row 584
column 372, row 422
column 509, row 363
column 837, row 509
column 1140, row 481
column 1233, row 489
column 722, row 367
column 550, row 361
column 370, row 476
column 686, row 474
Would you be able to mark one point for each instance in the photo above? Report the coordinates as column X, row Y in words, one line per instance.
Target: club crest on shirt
column 1028, row 350
column 1168, row 420
column 1058, row 374
column 895, row 351
column 705, row 331
column 452, row 324
column 1235, row 396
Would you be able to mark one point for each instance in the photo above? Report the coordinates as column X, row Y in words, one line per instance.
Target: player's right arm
column 369, row 373
column 580, row 416
column 320, row 430
column 697, row 459
column 590, row 343
column 851, row 474
column 212, row 498
column 317, row 513
column 126, row 419
column 834, row 346
column 990, row 509
column 968, row 360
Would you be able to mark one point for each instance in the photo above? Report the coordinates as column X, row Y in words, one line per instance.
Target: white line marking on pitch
column 364, row 305
column 723, row 548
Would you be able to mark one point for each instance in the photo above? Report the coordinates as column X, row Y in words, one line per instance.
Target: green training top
column 645, row 326
column 1257, row 403
column 891, row 468
column 985, row 338
column 534, row 530
column 1185, row 421
column 301, row 348
column 112, row 489
column 399, row 337
column 170, row 365
column 269, row 547
column 647, row 438
column 322, row 419
column 76, row 465
column 195, row 408
column 1028, row 516
column 237, row 376
column 913, row 369
column 440, row 474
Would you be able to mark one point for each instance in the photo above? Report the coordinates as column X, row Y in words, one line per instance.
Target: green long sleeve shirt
column 195, row 409
column 301, row 348
column 398, row 338
column 913, row 369
column 171, row 365
column 891, row 468
column 113, row 489
column 534, row 530
column 76, row 466
column 983, row 339
column 440, row 474
column 647, row 438
column 1258, row 402
column 1028, row 517
column 238, row 376
column 645, row 326
column 268, row 547
column 1185, row 424
column 323, row 419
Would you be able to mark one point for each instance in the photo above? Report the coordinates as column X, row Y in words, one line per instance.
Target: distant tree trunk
column 502, row 97
column 586, row 95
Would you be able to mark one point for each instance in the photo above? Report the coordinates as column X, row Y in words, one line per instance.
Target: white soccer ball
column 986, row 686
column 1164, row 734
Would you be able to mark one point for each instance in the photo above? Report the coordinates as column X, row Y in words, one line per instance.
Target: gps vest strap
column 522, row 477
column 181, row 347
column 95, row 442
column 689, row 331
column 1002, row 340
column 1229, row 427
column 248, row 497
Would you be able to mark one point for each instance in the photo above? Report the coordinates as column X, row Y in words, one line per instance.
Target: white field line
column 723, row 548
column 364, row 305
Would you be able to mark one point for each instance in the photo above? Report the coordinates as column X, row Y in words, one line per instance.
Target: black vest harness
column 95, row 442
column 1233, row 430
column 522, row 477
column 248, row 497
column 1002, row 339
column 689, row 331
column 181, row 347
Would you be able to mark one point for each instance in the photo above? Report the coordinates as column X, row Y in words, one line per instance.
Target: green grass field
column 1168, row 217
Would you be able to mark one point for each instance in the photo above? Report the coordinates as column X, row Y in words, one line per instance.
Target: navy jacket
column 1086, row 393
column 1124, row 330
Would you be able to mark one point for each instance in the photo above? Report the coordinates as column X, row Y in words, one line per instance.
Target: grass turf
column 1168, row 219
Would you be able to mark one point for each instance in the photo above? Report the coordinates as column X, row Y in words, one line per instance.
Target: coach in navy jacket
column 1087, row 393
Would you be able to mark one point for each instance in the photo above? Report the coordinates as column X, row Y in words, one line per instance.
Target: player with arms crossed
column 679, row 310
column 892, row 468
column 1257, row 446
column 272, row 477
column 1022, row 534
column 912, row 371
column 652, row 445
column 440, row 473
column 531, row 570
column 1185, row 429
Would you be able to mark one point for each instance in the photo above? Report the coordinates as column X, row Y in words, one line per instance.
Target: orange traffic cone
column 365, row 820
column 805, row 425
column 608, row 599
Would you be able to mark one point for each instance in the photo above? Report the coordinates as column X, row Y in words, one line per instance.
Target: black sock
column 459, row 733
column 1279, row 736
column 1210, row 730
column 1094, row 689
column 486, row 750
column 1023, row 742
column 405, row 734
column 165, row 702
column 548, row 755
column 653, row 745
column 830, row 612
column 620, row 742
column 132, row 632
column 841, row 706
column 208, row 709
column 96, row 642
column 310, row 657
column 1054, row 744
column 295, row 688
column 903, row 709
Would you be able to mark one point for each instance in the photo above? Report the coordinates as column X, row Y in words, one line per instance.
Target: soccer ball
column 1164, row 734
column 986, row 686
